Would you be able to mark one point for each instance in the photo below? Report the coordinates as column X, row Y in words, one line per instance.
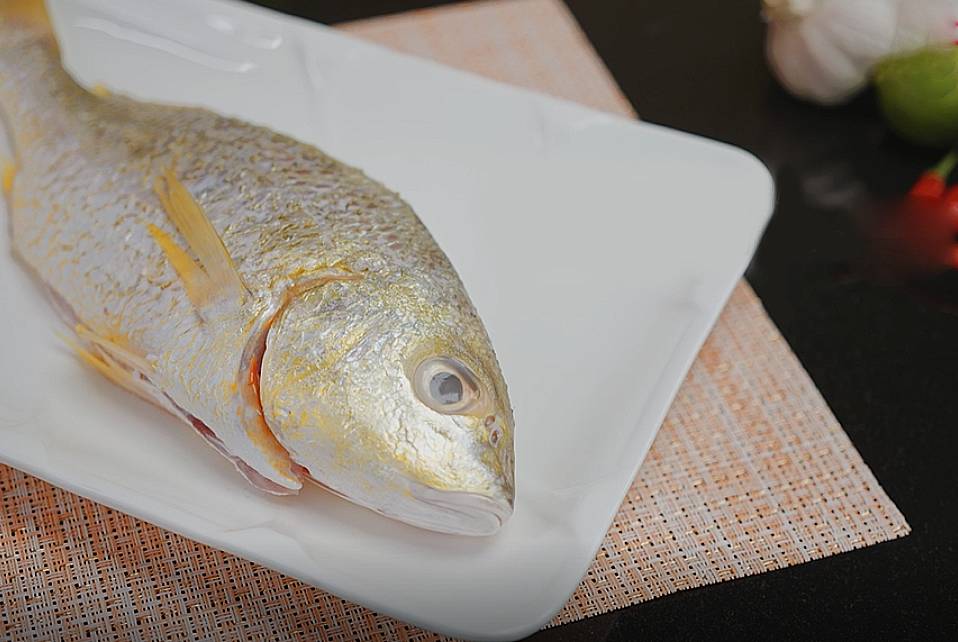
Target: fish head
column 393, row 398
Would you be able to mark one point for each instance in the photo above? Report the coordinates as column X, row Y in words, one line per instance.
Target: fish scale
column 308, row 368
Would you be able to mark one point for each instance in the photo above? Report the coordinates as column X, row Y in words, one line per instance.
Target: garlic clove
column 826, row 53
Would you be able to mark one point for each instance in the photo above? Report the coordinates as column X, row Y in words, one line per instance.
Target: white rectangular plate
column 598, row 250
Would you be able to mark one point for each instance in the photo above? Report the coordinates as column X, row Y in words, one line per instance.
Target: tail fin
column 27, row 17
column 27, row 13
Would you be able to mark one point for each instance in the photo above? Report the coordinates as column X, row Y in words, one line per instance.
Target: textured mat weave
column 750, row 471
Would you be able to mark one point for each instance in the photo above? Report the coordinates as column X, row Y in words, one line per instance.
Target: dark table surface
column 885, row 356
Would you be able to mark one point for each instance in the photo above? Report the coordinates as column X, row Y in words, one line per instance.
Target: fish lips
column 461, row 513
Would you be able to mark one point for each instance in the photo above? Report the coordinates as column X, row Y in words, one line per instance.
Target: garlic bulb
column 824, row 50
column 925, row 22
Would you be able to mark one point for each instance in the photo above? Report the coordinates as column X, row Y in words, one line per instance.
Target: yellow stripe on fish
column 7, row 174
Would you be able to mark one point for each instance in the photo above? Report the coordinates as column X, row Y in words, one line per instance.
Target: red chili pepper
column 932, row 183
column 916, row 237
column 951, row 208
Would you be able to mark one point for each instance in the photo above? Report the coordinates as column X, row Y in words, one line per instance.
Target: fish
column 293, row 311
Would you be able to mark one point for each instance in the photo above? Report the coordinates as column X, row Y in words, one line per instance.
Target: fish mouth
column 461, row 513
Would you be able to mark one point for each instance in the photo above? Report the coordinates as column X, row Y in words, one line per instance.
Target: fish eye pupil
column 446, row 388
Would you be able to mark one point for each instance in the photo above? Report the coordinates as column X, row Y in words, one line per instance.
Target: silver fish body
column 345, row 351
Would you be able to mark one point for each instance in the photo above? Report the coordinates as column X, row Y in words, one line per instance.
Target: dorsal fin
column 191, row 221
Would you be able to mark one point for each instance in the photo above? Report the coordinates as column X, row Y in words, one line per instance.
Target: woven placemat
column 749, row 473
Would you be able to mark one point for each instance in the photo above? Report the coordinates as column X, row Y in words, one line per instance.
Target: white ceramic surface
column 598, row 250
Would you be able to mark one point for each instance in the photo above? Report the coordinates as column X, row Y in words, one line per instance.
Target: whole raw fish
column 294, row 311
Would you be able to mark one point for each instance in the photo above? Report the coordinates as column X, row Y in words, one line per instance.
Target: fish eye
column 446, row 385
column 446, row 388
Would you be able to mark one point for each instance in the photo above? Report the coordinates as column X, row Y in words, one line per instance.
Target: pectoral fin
column 198, row 285
column 221, row 275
